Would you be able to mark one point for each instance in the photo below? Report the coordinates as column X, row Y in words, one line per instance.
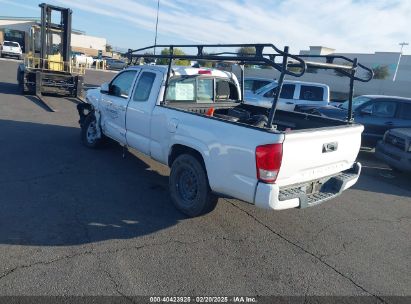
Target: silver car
column 115, row 64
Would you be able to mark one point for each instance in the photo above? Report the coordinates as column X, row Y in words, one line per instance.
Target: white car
column 215, row 145
column 11, row 49
column 293, row 93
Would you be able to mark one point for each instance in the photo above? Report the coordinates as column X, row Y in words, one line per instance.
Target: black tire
column 86, row 133
column 22, row 89
column 189, row 188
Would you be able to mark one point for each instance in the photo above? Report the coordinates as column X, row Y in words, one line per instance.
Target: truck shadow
column 56, row 192
column 9, row 88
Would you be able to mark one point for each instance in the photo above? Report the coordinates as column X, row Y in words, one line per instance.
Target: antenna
column 402, row 44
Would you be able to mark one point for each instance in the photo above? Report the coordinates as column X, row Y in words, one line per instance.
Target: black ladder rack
column 264, row 54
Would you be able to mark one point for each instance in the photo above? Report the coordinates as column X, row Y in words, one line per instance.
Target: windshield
column 356, row 102
column 266, row 87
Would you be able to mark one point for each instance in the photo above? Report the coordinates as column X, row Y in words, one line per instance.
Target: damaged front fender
column 85, row 110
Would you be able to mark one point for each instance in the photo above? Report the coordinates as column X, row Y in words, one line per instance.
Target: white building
column 17, row 29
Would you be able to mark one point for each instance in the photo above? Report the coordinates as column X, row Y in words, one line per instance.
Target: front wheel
column 89, row 133
column 189, row 188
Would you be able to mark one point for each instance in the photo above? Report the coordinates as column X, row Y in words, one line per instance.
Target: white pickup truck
column 293, row 94
column 216, row 145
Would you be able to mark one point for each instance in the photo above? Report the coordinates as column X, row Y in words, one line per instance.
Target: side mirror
column 105, row 87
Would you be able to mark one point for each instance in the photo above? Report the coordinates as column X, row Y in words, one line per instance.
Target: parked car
column 378, row 113
column 115, row 64
column 395, row 149
column 11, row 49
column 214, row 144
column 293, row 93
column 252, row 84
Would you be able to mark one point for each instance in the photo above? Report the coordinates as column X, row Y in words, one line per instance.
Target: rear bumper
column 270, row 196
column 393, row 156
column 10, row 54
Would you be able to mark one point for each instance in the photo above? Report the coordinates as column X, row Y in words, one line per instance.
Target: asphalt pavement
column 75, row 221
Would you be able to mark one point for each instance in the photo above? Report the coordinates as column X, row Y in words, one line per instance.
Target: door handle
column 389, row 123
column 289, row 103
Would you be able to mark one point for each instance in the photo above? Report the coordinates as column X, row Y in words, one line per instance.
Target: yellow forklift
column 48, row 67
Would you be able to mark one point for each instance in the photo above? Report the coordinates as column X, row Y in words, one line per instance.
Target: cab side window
column 144, row 85
column 121, row 85
column 383, row 109
column 405, row 111
column 287, row 92
column 311, row 93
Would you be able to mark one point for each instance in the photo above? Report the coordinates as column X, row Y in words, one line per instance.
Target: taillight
column 268, row 161
column 204, row 72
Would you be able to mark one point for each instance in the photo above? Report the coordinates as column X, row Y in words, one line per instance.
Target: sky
column 349, row 26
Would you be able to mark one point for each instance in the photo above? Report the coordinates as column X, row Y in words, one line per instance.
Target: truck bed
column 243, row 114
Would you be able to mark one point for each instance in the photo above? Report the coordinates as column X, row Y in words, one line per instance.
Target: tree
column 381, row 72
column 176, row 51
column 205, row 63
column 148, row 59
column 339, row 73
column 246, row 51
column 109, row 48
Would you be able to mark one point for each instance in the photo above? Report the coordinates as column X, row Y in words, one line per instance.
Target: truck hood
column 93, row 96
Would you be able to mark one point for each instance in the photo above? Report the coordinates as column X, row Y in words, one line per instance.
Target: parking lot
column 75, row 221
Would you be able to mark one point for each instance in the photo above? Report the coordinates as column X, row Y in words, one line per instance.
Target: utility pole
column 402, row 44
column 155, row 38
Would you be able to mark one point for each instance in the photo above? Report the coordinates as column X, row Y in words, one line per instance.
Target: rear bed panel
column 318, row 153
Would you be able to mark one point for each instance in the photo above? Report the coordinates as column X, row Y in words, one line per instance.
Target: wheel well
column 178, row 150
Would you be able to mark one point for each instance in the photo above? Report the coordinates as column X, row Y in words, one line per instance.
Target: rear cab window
column 9, row 43
column 197, row 89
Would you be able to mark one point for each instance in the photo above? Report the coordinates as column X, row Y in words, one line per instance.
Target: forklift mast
column 52, row 72
column 46, row 31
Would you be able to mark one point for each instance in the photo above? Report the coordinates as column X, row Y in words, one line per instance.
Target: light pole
column 402, row 44
column 155, row 38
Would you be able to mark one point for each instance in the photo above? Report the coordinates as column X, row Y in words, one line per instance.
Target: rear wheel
column 189, row 188
column 89, row 133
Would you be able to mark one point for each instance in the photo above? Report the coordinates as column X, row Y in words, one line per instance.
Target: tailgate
column 313, row 154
